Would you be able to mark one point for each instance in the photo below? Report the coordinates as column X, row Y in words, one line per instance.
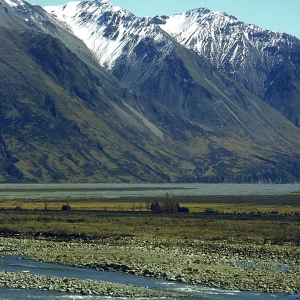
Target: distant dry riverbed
column 40, row 191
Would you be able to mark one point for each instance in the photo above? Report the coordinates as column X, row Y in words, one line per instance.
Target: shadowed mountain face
column 283, row 87
column 60, row 123
column 263, row 61
column 164, row 115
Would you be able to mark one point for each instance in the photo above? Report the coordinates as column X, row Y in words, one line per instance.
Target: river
column 20, row 264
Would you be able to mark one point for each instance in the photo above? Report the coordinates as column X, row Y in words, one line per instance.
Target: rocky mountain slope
column 263, row 61
column 60, row 123
column 133, row 105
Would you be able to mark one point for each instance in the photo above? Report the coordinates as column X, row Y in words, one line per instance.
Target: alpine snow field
column 91, row 93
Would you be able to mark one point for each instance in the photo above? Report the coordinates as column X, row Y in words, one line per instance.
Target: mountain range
column 91, row 93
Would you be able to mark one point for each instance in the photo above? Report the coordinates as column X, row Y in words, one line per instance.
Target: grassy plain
column 283, row 204
column 274, row 219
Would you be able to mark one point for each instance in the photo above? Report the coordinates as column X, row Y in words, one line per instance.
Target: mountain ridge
column 245, row 52
column 158, row 113
column 248, row 54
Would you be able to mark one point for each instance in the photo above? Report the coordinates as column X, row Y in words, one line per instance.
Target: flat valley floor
column 237, row 242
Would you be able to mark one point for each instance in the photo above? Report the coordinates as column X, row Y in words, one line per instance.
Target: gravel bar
column 72, row 285
column 230, row 264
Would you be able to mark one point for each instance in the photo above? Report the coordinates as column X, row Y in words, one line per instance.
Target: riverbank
column 230, row 264
column 72, row 285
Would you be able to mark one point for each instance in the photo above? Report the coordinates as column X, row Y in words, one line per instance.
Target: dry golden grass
column 238, row 218
column 75, row 205
column 288, row 204
column 242, row 208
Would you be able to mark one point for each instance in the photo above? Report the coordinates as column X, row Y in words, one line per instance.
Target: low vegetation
column 168, row 206
column 270, row 221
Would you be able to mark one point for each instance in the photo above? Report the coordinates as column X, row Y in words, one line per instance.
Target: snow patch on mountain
column 217, row 34
column 15, row 3
column 239, row 49
column 117, row 38
column 109, row 31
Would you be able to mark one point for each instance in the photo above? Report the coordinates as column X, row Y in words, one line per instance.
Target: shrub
column 155, row 207
column 66, row 207
column 167, row 206
column 209, row 210
column 182, row 209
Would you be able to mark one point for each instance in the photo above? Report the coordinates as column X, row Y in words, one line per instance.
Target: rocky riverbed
column 72, row 285
column 230, row 264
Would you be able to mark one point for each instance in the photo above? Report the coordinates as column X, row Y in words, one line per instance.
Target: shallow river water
column 18, row 264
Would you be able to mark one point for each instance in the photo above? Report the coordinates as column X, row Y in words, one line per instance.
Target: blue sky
column 278, row 15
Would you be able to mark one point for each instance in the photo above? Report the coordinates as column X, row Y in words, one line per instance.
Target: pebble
column 84, row 287
column 231, row 265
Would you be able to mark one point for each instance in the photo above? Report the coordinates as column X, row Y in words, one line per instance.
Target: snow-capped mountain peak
column 109, row 31
column 234, row 47
column 14, row 3
column 130, row 46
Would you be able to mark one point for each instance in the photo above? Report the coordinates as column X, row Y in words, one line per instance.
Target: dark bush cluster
column 66, row 207
column 168, row 206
